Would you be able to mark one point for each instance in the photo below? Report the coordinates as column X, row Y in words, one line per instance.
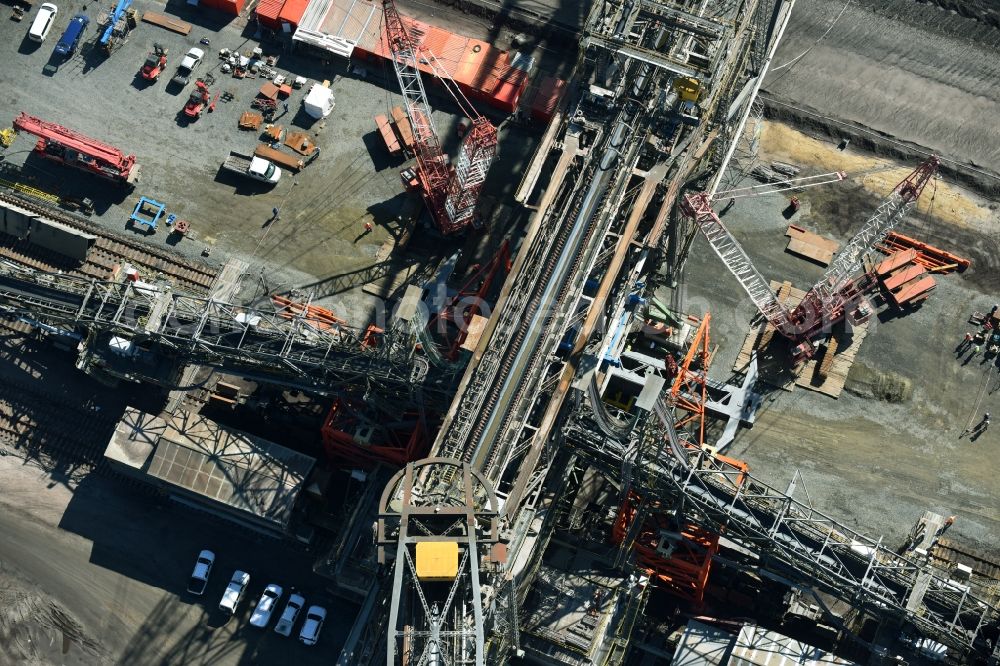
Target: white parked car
column 202, row 570
column 313, row 624
column 234, row 592
column 42, row 24
column 188, row 64
column 265, row 607
column 291, row 613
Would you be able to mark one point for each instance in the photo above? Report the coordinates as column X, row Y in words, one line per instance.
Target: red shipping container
column 292, row 12
column 508, row 92
column 547, row 97
column 233, row 7
column 267, row 13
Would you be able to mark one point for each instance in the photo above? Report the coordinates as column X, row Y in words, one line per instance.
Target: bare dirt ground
column 92, row 571
column 911, row 72
column 891, row 446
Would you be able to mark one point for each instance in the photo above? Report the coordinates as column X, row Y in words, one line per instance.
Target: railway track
column 46, row 424
column 109, row 252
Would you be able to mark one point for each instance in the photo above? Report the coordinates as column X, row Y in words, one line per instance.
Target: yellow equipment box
column 437, row 561
column 689, row 88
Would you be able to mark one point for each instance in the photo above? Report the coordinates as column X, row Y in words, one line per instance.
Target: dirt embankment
column 978, row 10
column 37, row 630
column 899, row 77
column 865, row 139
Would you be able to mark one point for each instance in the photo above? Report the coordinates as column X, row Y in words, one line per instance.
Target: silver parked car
column 234, row 592
column 313, row 625
column 291, row 613
column 188, row 64
column 202, row 570
column 265, row 607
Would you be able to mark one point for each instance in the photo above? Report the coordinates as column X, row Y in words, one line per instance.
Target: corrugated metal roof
column 481, row 70
column 759, row 647
column 292, row 11
column 338, row 25
column 268, row 10
column 204, row 458
column 704, row 645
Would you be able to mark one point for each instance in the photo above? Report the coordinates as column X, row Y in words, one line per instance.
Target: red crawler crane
column 451, row 193
column 840, row 294
column 69, row 147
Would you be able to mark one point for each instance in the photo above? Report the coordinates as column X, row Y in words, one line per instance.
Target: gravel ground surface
column 913, row 72
column 318, row 238
column 874, row 464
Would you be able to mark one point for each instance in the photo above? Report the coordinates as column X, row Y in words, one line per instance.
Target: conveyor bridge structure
column 790, row 538
column 283, row 345
column 626, row 144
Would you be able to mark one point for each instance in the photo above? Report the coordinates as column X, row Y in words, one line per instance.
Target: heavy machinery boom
column 829, row 300
column 70, row 147
column 451, row 195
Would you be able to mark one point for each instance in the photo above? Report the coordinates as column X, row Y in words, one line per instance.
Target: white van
column 43, row 22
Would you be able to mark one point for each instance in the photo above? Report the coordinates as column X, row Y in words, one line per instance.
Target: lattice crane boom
column 431, row 161
column 88, row 153
column 828, row 301
column 451, row 194
column 886, row 217
column 698, row 207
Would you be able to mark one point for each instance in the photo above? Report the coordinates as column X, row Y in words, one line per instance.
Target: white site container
column 319, row 102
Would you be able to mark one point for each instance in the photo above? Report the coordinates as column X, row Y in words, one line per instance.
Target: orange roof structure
column 268, row 11
column 353, row 28
column 292, row 11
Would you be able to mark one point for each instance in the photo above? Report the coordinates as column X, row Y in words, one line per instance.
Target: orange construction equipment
column 198, row 101
column 904, row 281
column 913, row 293
column 895, row 261
column 901, row 276
column 403, row 126
column 690, row 389
column 452, row 323
column 314, row 315
column 355, row 436
column 388, row 135
column 71, row 148
column 677, row 555
column 932, row 258
column 450, row 190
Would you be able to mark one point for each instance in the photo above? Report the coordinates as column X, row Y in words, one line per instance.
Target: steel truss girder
column 414, row 509
column 203, row 330
column 791, row 537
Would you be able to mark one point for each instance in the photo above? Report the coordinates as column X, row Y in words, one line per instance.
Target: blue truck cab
column 71, row 37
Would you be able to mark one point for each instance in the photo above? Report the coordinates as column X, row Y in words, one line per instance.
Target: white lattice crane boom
column 450, row 194
column 829, row 300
